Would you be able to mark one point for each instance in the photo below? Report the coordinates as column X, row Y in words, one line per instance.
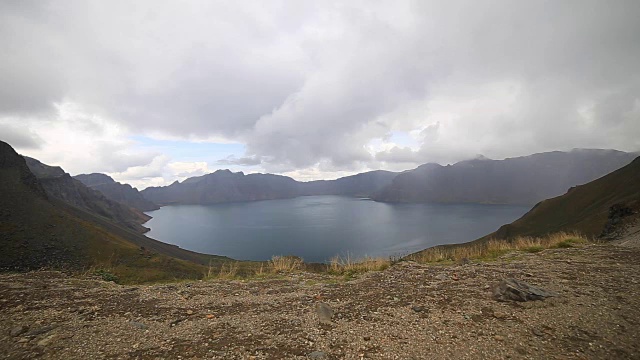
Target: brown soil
column 409, row 311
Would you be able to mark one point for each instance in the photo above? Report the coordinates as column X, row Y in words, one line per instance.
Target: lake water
column 317, row 228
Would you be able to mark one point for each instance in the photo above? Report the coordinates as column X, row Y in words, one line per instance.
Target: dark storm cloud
column 304, row 84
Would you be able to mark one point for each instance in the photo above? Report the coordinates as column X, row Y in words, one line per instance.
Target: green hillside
column 584, row 209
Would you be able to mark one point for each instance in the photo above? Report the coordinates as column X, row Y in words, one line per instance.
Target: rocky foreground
column 409, row 311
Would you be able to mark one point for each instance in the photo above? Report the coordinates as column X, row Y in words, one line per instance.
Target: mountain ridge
column 116, row 191
column 59, row 184
column 523, row 180
column 226, row 186
column 42, row 231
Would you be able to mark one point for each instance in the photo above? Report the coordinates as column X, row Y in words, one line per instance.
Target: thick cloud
column 328, row 87
column 243, row 161
column 17, row 137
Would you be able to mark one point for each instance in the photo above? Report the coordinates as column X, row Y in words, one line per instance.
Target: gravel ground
column 408, row 311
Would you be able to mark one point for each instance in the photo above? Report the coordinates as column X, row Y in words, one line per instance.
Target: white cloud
column 317, row 89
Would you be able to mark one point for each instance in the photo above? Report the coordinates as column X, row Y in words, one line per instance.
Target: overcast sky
column 154, row 91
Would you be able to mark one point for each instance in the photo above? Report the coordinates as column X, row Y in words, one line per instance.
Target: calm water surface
column 317, row 228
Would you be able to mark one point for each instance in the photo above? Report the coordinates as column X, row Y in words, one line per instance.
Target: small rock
column 139, row 325
column 500, row 315
column 418, row 308
column 46, row 341
column 515, row 290
column 455, row 277
column 537, row 332
column 19, row 330
column 210, row 316
column 42, row 330
column 324, row 312
column 499, row 338
column 442, row 277
column 367, row 338
column 176, row 322
column 318, row 355
column 189, row 312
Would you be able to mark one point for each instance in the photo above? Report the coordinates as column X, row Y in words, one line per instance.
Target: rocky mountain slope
column 591, row 209
column 226, row 186
column 520, row 180
column 113, row 190
column 38, row 230
column 409, row 311
column 58, row 184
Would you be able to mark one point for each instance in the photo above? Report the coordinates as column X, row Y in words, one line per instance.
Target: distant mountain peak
column 113, row 190
column 41, row 170
column 95, row 179
column 428, row 166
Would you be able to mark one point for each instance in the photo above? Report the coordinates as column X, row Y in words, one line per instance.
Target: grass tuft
column 349, row 266
column 493, row 249
column 106, row 275
column 285, row 264
column 228, row 271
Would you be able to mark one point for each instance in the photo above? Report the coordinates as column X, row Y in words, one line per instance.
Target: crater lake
column 317, row 228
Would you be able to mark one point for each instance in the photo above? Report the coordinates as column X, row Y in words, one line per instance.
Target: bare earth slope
column 409, row 311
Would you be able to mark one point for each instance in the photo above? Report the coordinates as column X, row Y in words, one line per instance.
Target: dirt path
column 409, row 311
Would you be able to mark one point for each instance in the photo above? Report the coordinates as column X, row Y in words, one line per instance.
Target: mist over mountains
column 519, row 180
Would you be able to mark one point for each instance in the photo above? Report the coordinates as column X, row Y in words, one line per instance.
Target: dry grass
column 228, row 271
column 348, row 265
column 493, row 248
column 225, row 271
column 285, row 264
